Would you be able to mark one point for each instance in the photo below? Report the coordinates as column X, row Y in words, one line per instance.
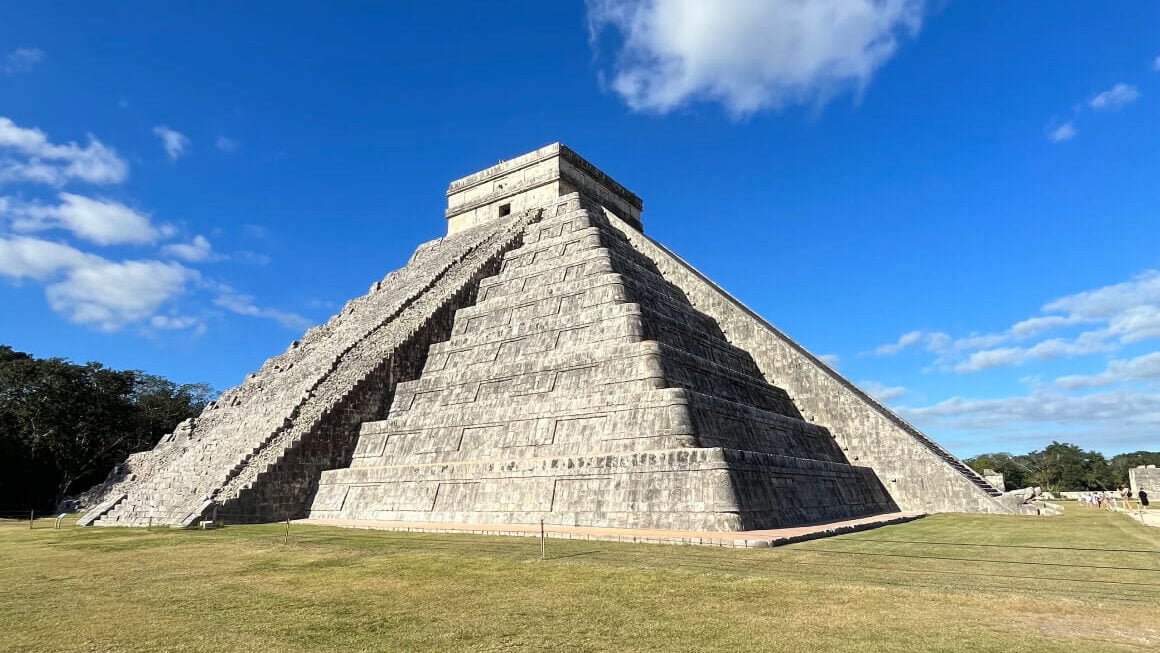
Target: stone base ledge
column 734, row 539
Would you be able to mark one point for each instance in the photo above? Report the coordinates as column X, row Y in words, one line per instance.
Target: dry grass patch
column 1086, row 581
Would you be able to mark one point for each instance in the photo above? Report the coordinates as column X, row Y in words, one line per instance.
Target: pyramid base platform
column 736, row 539
column 692, row 489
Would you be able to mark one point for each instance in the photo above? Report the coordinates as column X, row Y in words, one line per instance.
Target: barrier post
column 543, row 544
column 31, row 518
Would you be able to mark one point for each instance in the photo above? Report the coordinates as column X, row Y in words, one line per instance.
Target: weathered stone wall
column 1147, row 479
column 534, row 179
column 920, row 475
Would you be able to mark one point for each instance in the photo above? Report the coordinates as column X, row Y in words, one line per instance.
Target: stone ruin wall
column 1147, row 479
column 919, row 475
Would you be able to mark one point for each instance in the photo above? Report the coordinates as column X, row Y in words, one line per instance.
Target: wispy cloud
column 32, row 258
column 48, row 241
column 748, row 55
column 882, row 392
column 22, row 60
column 242, row 304
column 26, row 155
column 1064, row 132
column 97, row 220
column 905, row 340
column 227, row 145
column 112, row 294
column 1115, row 315
column 197, row 250
column 89, row 289
column 172, row 140
column 1115, row 97
column 1105, row 413
column 1141, row 368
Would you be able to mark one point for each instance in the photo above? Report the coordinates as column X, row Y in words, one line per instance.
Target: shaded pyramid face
column 544, row 360
column 582, row 388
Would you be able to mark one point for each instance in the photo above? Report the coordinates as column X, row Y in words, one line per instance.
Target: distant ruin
column 546, row 360
column 1147, row 478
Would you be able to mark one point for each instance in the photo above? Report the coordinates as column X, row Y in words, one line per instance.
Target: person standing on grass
column 1127, row 492
column 1143, row 502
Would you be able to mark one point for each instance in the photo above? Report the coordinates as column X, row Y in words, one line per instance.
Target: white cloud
column 172, row 140
column 1118, row 410
column 101, row 221
column 26, row 155
column 1141, row 368
column 929, row 340
column 1122, row 313
column 748, row 54
column 1136, row 324
column 904, row 341
column 830, row 359
column 1086, row 343
column 990, row 358
column 199, row 249
column 1156, row 64
column 1064, row 132
column 89, row 289
column 244, row 305
column 109, row 295
column 1115, row 97
column 1036, row 325
column 22, row 60
column 227, row 145
column 38, row 259
column 1111, row 300
column 176, row 323
column 882, row 392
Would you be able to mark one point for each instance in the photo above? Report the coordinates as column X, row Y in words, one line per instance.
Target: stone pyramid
column 544, row 360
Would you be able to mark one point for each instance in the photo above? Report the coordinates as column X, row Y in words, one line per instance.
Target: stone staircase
column 250, row 429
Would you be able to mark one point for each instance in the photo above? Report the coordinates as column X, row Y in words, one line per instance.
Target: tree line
column 64, row 426
column 1063, row 467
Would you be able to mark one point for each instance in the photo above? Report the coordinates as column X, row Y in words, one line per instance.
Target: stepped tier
column 582, row 388
column 258, row 449
column 545, row 360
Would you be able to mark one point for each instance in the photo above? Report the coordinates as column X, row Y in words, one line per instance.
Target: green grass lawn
column 1086, row 581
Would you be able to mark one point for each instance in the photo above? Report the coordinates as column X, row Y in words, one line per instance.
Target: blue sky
column 956, row 201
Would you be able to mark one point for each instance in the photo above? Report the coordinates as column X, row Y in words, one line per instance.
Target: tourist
column 1127, row 493
column 1143, row 495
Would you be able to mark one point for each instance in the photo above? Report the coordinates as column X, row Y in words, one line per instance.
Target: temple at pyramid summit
column 545, row 360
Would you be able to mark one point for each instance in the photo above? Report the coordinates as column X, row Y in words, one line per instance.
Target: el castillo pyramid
column 545, row 360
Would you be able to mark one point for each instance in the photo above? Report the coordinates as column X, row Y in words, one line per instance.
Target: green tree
column 1015, row 470
column 1121, row 463
column 63, row 426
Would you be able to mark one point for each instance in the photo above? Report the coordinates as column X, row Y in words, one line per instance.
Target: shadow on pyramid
column 544, row 361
